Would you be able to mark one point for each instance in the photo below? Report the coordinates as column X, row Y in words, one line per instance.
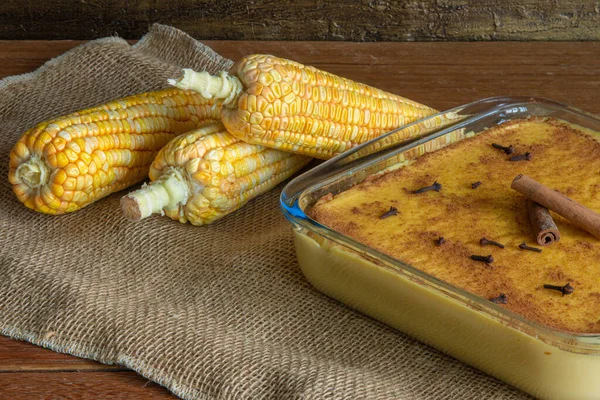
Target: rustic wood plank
column 349, row 20
column 442, row 75
column 80, row 386
column 22, row 356
column 17, row 57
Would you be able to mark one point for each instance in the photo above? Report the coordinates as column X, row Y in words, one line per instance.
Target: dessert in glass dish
column 444, row 239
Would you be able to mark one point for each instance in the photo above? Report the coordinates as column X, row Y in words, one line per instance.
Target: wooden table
column 442, row 75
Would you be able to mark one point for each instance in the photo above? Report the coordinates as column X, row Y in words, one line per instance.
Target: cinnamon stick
column 576, row 213
column 545, row 230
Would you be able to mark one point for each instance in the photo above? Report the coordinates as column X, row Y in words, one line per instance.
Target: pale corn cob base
column 223, row 86
column 69, row 162
column 205, row 174
column 300, row 109
column 168, row 192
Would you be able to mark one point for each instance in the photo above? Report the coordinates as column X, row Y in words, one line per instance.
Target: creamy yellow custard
column 542, row 369
column 564, row 157
column 546, row 365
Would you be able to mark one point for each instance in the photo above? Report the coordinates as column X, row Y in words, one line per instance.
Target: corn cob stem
column 224, row 86
column 33, row 173
column 165, row 193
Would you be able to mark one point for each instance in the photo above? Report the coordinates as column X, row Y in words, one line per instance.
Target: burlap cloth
column 211, row 312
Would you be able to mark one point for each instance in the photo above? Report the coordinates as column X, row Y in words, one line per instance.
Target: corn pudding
column 475, row 201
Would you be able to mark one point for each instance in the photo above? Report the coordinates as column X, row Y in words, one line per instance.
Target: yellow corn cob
column 205, row 174
column 286, row 105
column 69, row 162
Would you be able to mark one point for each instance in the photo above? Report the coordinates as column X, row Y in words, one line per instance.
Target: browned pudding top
column 565, row 158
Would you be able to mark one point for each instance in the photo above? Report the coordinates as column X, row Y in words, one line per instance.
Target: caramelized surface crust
column 565, row 158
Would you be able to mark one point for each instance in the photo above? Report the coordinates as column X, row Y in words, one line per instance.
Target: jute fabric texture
column 213, row 312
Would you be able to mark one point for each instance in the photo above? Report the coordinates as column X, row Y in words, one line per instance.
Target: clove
column 501, row 299
column 567, row 289
column 436, row 186
column 392, row 211
column 486, row 259
column 523, row 246
column 508, row 150
column 483, row 241
column 521, row 157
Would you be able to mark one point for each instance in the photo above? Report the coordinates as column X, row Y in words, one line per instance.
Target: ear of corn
column 286, row 105
column 206, row 174
column 69, row 162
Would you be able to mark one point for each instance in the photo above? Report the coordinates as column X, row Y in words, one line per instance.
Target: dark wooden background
column 344, row 20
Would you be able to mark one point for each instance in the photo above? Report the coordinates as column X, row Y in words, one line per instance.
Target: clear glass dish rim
column 570, row 341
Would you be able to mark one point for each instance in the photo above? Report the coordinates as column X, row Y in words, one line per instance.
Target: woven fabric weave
column 213, row 312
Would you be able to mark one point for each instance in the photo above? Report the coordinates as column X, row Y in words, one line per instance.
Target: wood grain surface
column 347, row 20
column 442, row 75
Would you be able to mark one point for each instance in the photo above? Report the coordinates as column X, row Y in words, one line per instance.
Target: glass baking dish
column 542, row 361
